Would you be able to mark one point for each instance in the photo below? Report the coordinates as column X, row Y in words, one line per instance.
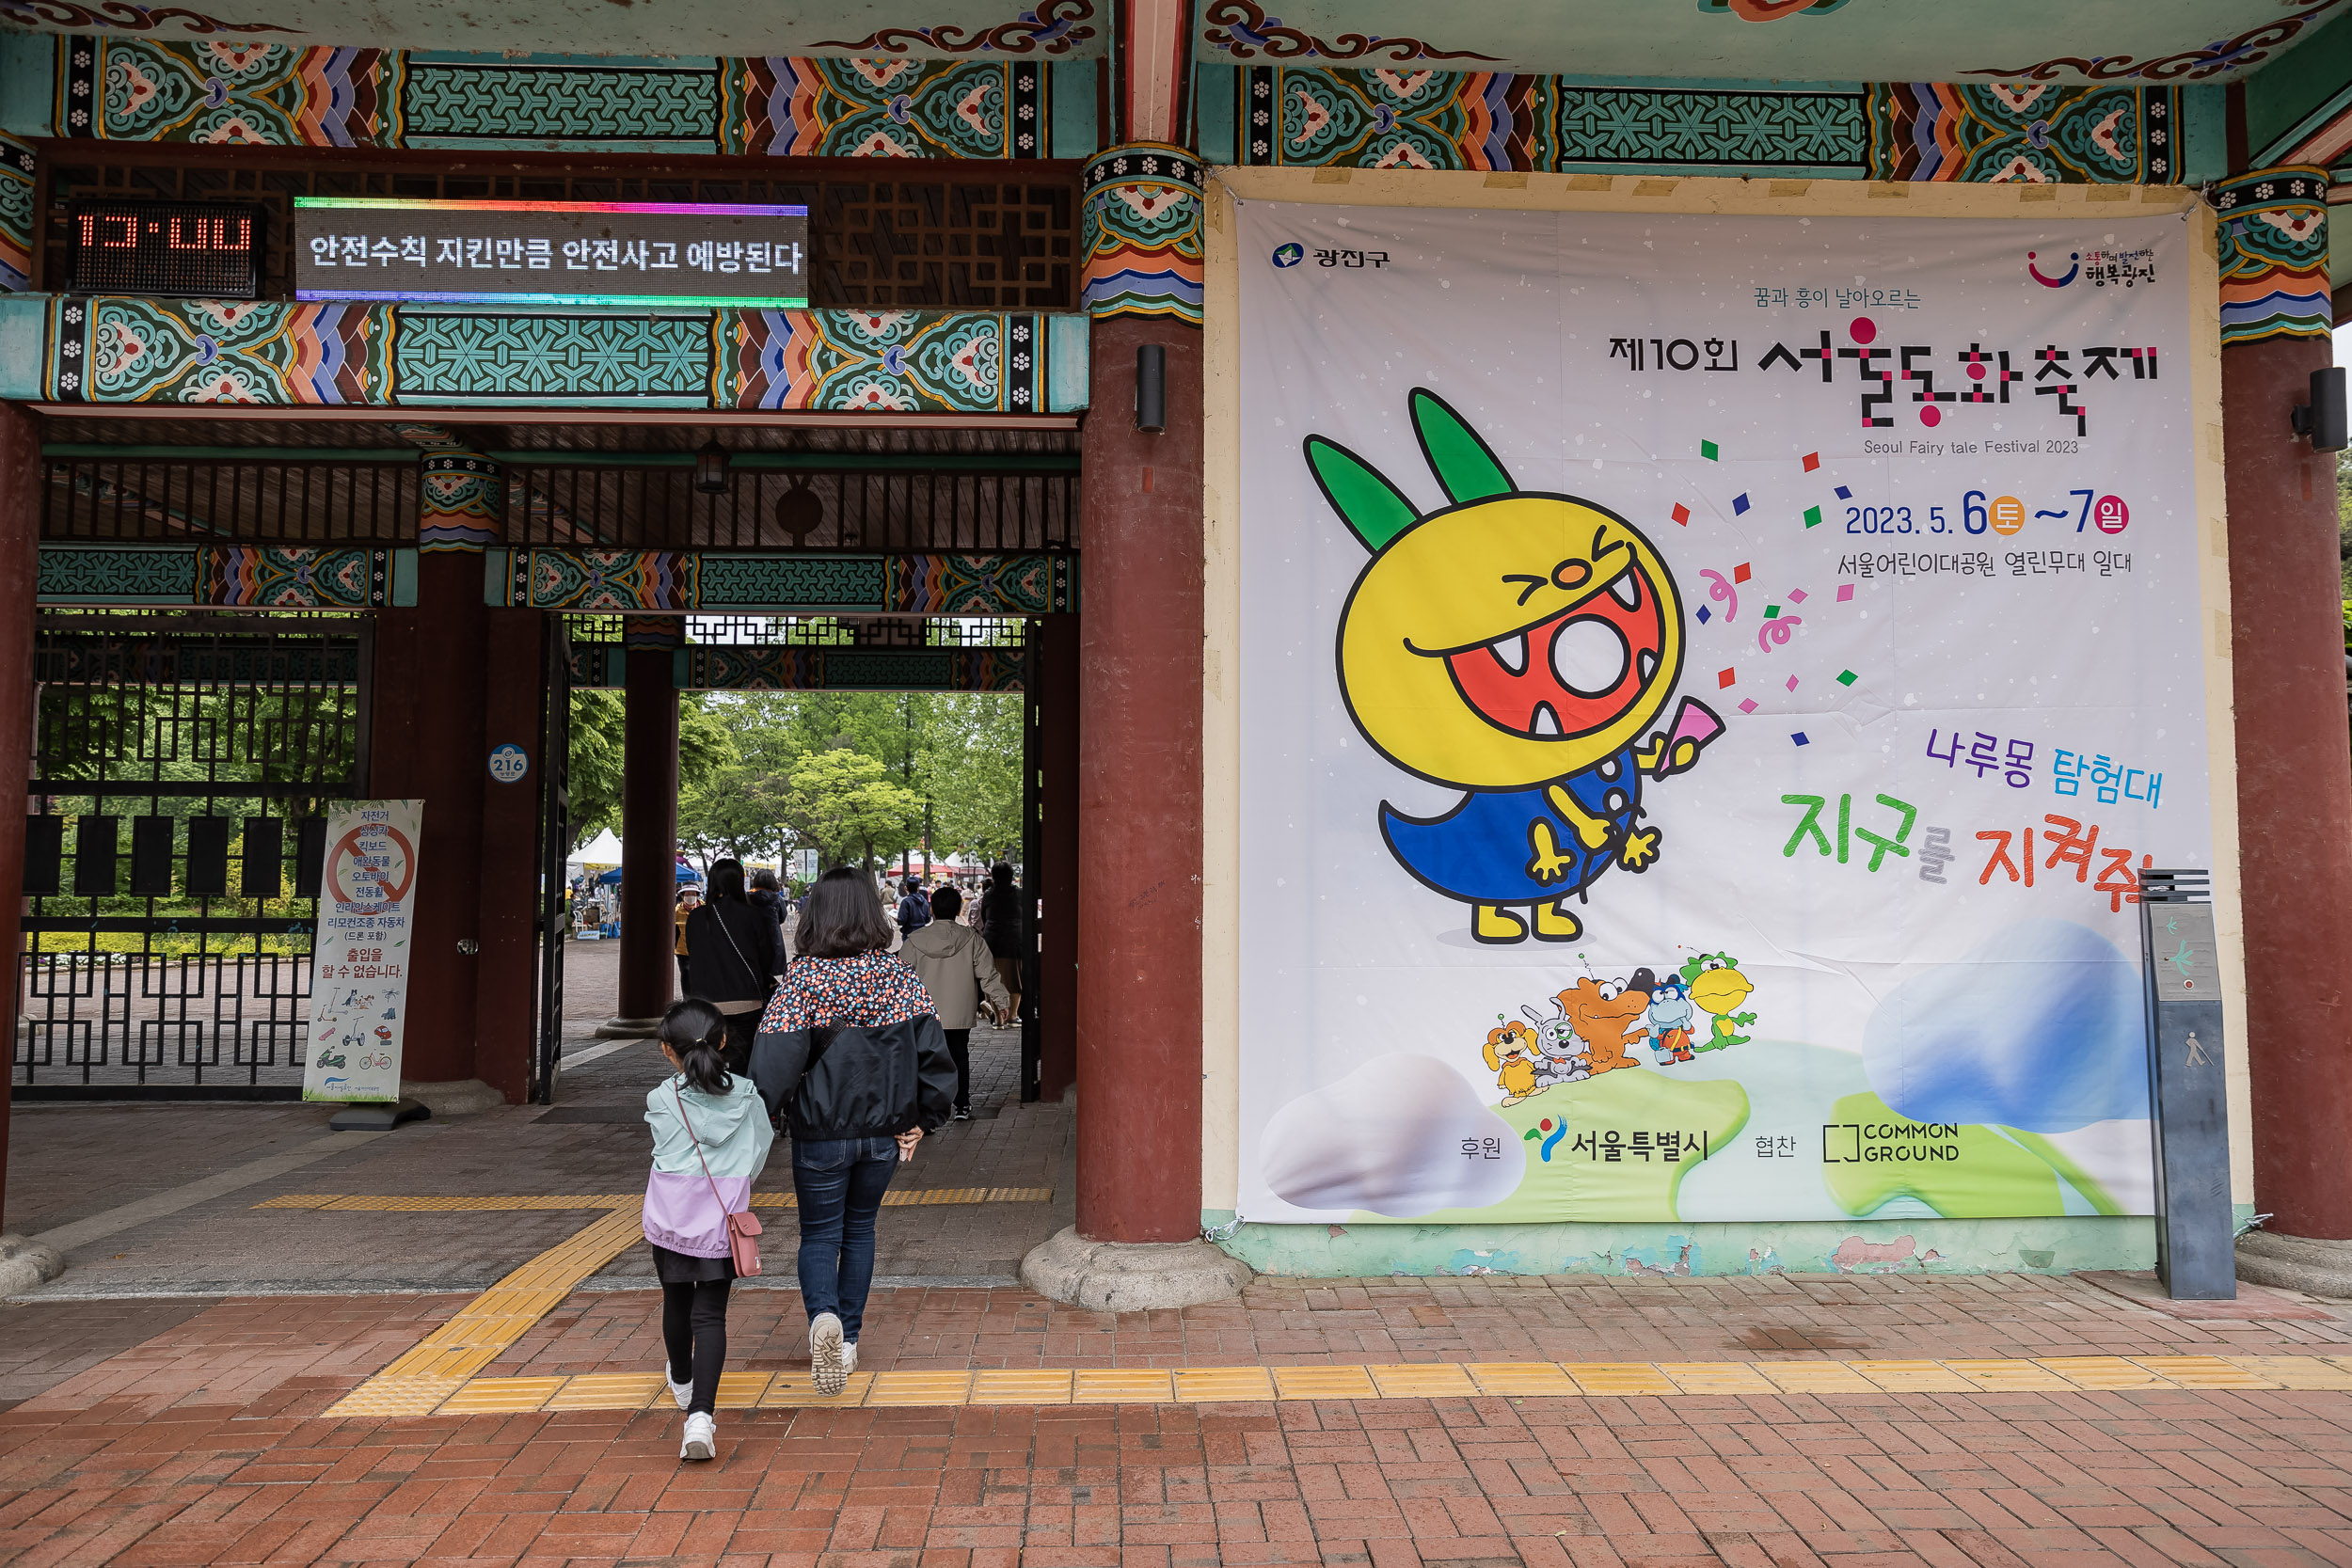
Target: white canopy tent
column 602, row 850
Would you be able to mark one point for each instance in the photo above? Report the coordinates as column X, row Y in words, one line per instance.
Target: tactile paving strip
column 424, row 1394
column 908, row 1197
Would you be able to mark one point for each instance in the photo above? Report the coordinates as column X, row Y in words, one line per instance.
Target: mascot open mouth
column 1571, row 675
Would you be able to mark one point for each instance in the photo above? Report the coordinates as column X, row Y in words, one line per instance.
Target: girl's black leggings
column 695, row 1331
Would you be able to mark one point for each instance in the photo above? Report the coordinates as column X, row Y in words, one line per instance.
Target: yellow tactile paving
column 1521, row 1378
column 1716, row 1377
column 1121, row 1385
column 1219, row 1384
column 608, row 1391
column 1619, row 1378
column 2100, row 1371
column 930, row 1387
column 2002, row 1377
column 1423, row 1380
column 501, row 1396
column 793, row 1388
column 1815, row 1377
column 1015, row 1385
column 1913, row 1377
column 1324, row 1383
column 2297, row 1371
column 2204, row 1371
column 428, row 1393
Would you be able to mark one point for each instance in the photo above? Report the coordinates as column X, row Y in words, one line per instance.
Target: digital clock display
column 199, row 249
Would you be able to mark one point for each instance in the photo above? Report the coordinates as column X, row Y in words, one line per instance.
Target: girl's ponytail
column 698, row 1032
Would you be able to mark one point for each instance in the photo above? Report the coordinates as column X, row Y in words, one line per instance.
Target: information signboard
column 359, row 968
column 593, row 253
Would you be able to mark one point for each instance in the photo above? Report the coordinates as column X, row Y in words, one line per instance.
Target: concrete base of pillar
column 465, row 1097
column 627, row 1028
column 2317, row 1267
column 1131, row 1277
column 24, row 1263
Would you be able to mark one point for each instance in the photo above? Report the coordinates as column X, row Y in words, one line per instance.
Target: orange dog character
column 1511, row 1055
column 1607, row 1016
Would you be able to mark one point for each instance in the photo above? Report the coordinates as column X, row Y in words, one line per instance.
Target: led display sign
column 202, row 249
column 595, row 253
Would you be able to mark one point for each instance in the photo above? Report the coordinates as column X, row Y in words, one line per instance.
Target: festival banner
column 359, row 966
column 1709, row 688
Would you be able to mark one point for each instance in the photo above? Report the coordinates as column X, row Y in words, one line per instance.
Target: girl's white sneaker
column 702, row 1438
column 826, row 1370
column 682, row 1392
column 849, row 1359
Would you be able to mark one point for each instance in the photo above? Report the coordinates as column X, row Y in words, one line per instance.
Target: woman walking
column 1003, row 921
column 955, row 966
column 852, row 1054
column 710, row 1138
column 735, row 958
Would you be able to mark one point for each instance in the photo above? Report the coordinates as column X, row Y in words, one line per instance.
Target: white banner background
column 2004, row 1017
column 359, row 959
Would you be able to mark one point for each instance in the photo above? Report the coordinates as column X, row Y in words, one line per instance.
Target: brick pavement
column 207, row 1446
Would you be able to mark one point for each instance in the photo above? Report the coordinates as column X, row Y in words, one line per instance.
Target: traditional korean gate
column 180, row 762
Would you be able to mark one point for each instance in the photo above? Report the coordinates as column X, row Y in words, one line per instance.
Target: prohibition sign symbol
column 349, row 846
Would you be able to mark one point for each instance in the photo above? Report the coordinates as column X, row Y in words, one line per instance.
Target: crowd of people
column 841, row 1021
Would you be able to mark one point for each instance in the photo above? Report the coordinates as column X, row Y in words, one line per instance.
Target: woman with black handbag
column 735, row 958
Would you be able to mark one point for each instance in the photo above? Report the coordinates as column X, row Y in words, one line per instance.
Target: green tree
column 599, row 747
column 969, row 771
column 839, row 799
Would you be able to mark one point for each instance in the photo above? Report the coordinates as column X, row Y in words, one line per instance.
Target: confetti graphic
column 1847, row 677
column 1813, row 517
column 1812, row 460
column 1740, row 504
column 1798, row 736
column 1747, row 705
column 1725, row 677
column 1708, row 450
column 1845, row 593
column 1793, row 682
column 1682, row 515
column 1844, row 493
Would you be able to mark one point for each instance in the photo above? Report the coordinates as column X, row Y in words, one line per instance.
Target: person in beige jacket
column 954, row 964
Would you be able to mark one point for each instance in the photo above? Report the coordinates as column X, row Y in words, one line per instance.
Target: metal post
column 2187, row 1091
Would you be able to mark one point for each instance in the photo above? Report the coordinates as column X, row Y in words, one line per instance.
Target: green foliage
column 600, row 742
column 970, row 768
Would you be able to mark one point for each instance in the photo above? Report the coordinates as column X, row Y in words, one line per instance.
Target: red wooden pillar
column 1055, row 668
column 1139, row 798
column 506, row 994
column 2293, row 752
column 648, row 829
column 447, row 763
column 20, row 561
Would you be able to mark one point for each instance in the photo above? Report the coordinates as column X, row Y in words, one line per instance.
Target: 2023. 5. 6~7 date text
column 1978, row 512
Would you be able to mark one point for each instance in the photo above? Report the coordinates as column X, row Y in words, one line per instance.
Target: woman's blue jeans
column 840, row 1183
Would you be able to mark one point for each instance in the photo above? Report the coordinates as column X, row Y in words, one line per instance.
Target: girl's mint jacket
column 681, row 1212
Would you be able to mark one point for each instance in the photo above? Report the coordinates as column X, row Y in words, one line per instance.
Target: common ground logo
column 1289, row 255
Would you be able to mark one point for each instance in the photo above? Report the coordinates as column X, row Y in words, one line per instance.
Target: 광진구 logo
column 1289, row 255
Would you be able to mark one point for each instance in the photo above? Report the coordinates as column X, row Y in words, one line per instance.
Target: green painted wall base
column 1928, row 1245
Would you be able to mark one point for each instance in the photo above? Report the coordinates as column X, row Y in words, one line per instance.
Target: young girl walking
column 710, row 1137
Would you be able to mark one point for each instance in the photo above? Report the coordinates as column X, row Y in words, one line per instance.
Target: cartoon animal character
column 1564, row 1054
column 1669, row 1017
column 1518, row 646
column 1716, row 984
column 1511, row 1056
column 1606, row 1015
